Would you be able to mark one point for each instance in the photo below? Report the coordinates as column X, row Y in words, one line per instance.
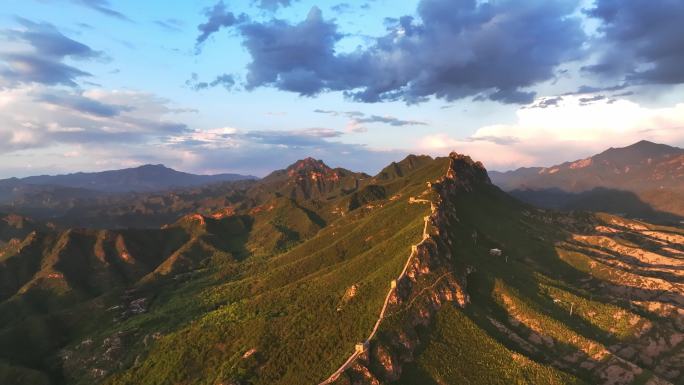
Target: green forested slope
column 279, row 287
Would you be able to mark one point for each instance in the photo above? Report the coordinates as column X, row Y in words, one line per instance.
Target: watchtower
column 361, row 347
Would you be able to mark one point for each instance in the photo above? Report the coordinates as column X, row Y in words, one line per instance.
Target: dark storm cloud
column 298, row 58
column 44, row 64
column 644, row 40
column 217, row 17
column 226, row 81
column 458, row 49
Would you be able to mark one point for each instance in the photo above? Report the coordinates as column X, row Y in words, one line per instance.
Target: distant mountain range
column 644, row 180
column 145, row 178
column 145, row 196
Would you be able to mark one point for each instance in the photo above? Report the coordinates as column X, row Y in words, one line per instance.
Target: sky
column 252, row 86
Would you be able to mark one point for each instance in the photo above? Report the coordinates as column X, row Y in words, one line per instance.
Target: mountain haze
column 143, row 197
column 139, row 179
column 644, row 180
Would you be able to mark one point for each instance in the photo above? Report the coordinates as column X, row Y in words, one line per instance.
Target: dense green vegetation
column 546, row 302
column 270, row 280
column 279, row 288
column 460, row 352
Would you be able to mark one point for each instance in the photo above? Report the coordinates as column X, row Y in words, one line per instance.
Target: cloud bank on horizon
column 513, row 83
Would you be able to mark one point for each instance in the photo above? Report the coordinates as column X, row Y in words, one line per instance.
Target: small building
column 393, row 284
column 361, row 347
column 495, row 252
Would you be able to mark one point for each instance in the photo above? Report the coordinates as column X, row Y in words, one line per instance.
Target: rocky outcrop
column 431, row 280
column 308, row 179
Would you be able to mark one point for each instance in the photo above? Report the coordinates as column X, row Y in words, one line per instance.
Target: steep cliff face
column 432, row 279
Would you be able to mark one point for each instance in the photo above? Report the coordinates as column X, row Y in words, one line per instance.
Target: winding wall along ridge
column 358, row 352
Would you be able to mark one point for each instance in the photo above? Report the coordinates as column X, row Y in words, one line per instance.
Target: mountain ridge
column 145, row 178
column 650, row 176
column 279, row 288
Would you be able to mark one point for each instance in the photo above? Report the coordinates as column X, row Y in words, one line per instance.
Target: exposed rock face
column 313, row 177
column 385, row 364
column 430, row 281
column 464, row 173
column 359, row 374
column 310, row 179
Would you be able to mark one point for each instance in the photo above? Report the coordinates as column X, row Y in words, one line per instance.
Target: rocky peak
column 308, row 164
column 466, row 171
column 313, row 169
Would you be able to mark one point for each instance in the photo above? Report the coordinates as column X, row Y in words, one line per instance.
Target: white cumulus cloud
column 570, row 130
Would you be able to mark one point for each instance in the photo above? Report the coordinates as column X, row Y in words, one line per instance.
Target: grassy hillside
column 575, row 298
column 185, row 303
column 279, row 287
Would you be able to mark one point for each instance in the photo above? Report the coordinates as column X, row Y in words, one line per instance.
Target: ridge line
column 362, row 347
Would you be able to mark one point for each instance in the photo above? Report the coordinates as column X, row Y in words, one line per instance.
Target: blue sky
column 207, row 86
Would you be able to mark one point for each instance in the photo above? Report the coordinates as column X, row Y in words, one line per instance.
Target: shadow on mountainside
column 614, row 201
column 588, row 318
